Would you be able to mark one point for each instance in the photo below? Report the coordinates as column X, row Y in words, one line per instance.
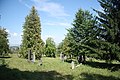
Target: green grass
column 53, row 69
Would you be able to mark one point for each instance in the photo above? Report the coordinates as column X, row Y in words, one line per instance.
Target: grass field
column 15, row 68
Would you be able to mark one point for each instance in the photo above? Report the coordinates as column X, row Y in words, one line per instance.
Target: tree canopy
column 50, row 47
column 79, row 35
column 96, row 36
column 109, row 26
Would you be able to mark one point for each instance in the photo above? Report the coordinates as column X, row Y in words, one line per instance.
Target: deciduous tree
column 50, row 47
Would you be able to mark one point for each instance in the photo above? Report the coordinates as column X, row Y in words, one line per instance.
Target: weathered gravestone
column 81, row 59
column 31, row 56
column 62, row 57
column 65, row 58
column 72, row 64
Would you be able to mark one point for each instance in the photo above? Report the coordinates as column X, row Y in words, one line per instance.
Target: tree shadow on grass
column 15, row 74
column 112, row 67
column 5, row 57
column 90, row 76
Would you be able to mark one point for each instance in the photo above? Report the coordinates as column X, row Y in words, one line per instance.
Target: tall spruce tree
column 31, row 38
column 80, row 34
column 109, row 27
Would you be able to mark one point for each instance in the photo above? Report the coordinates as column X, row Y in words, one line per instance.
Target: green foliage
column 80, row 34
column 4, row 47
column 59, row 48
column 50, row 48
column 65, row 46
column 31, row 38
column 109, row 43
column 96, row 36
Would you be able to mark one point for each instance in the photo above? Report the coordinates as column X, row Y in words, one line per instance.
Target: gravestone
column 29, row 55
column 33, row 57
column 65, row 58
column 72, row 64
column 62, row 57
column 80, row 59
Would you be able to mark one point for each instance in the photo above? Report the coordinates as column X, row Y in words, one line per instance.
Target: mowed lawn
column 54, row 69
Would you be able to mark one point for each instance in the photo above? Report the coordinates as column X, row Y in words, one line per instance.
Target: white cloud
column 23, row 2
column 15, row 34
column 56, row 38
column 21, row 33
column 101, row 9
column 64, row 24
column 20, row 0
column 46, row 36
column 52, row 8
column 14, row 38
column 7, row 31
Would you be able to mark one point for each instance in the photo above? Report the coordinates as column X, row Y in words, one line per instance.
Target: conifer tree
column 109, row 27
column 4, row 47
column 77, row 38
column 31, row 38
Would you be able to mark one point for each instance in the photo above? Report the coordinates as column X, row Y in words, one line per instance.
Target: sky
column 55, row 16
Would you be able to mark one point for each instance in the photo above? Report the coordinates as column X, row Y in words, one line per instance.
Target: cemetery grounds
column 15, row 68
